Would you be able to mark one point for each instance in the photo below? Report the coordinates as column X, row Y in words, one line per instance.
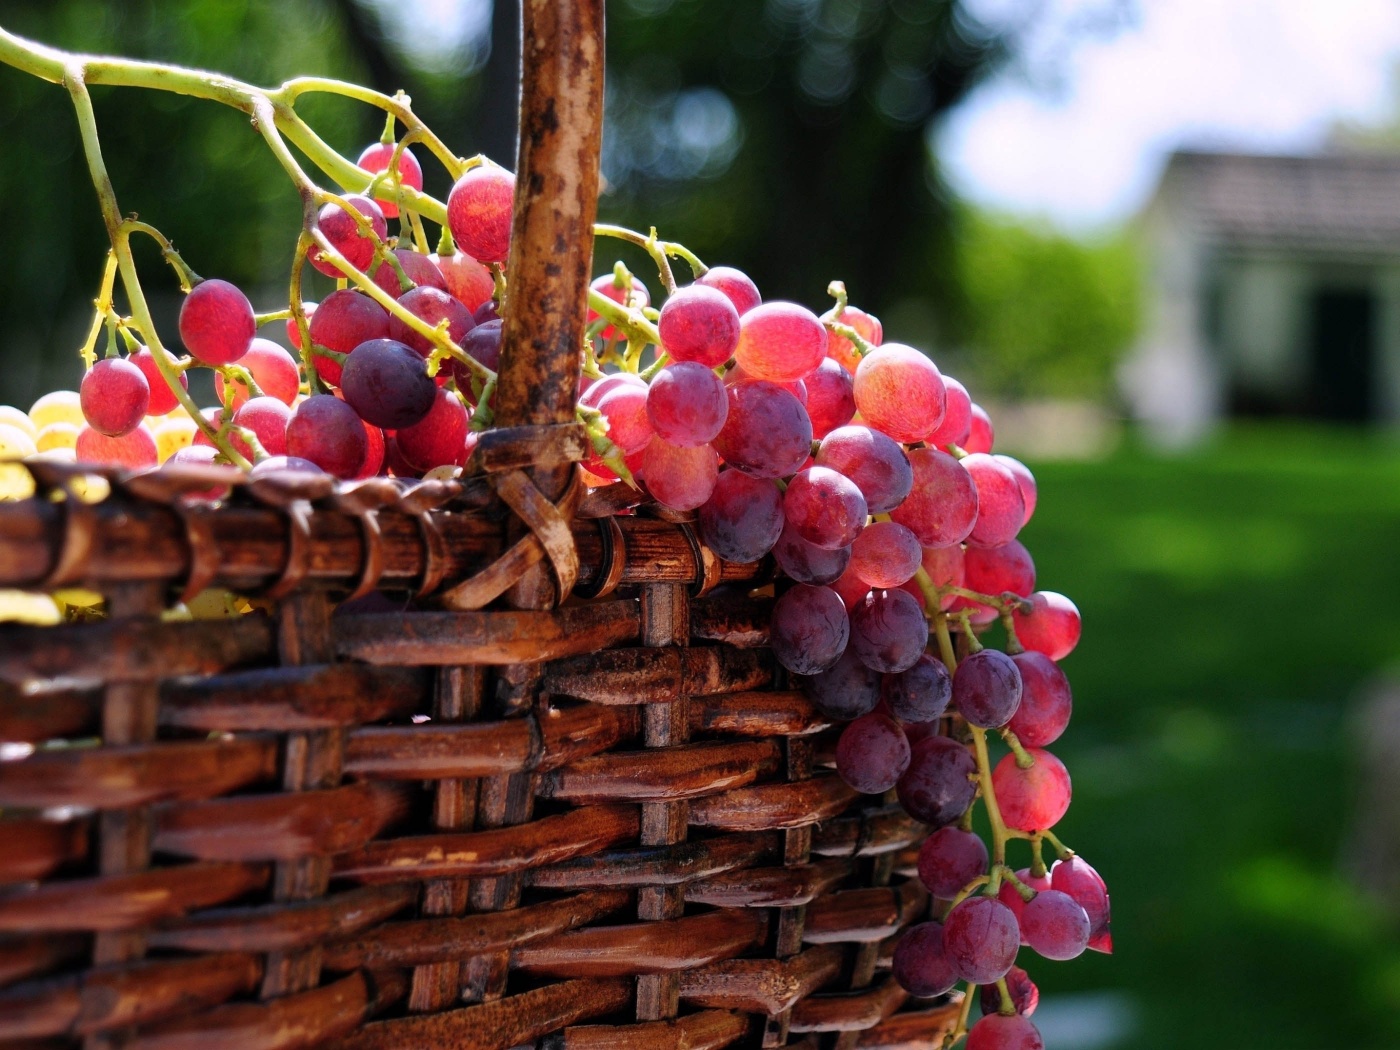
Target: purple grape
column 1078, row 879
column 388, row 384
column 940, row 782
column 1054, row 924
column 872, row 754
column 766, row 433
column 886, row 554
column 949, row 859
column 806, row 562
column 1046, row 701
column 824, row 507
column 876, row 464
column 846, row 690
column 980, row 938
column 743, row 518
column 808, row 629
column 920, row 966
column 919, row 693
column 830, row 401
column 687, row 403
column 888, row 630
column 987, row 688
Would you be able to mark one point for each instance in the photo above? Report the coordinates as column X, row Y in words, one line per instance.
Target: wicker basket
column 475, row 817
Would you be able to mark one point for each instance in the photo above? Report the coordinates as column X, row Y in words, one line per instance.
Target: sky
column 1079, row 131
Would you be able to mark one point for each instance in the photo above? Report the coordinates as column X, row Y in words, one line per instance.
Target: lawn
column 1236, row 602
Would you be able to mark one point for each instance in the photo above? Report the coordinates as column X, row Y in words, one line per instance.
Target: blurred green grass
column 1234, row 599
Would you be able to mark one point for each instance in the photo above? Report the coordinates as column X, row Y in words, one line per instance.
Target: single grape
column 743, row 518
column 387, row 383
column 479, row 211
column 940, row 782
column 470, row 283
column 872, row 754
column 899, row 391
column 842, row 350
column 942, row 508
column 956, row 425
column 1077, row 878
column 681, row 476
column 1031, row 799
column 1011, row 897
column 831, row 401
column 135, row 450
column 824, row 507
column 687, row 404
column 216, row 323
column 114, row 395
column 342, row 321
column 949, row 859
column 487, row 311
column 433, row 306
column 920, row 966
column 1051, row 627
column 885, row 554
column 995, row 1032
column 919, row 693
column 1025, row 996
column 374, row 452
column 599, row 387
column 635, row 296
column 1025, row 481
column 162, row 398
column 1054, row 925
column 995, row 570
column 987, row 688
column 851, row 588
column 806, row 562
column 809, row 629
column 876, row 464
column 326, row 431
column 846, row 690
column 766, row 433
column 1046, row 701
column 436, row 439
column 267, row 418
column 700, row 324
column 376, row 158
column 980, row 937
column 343, row 232
column 625, row 407
column 888, row 631
column 417, row 267
column 483, row 344
column 735, row 284
column 273, row 370
column 780, row 342
column 1000, row 507
column 980, row 433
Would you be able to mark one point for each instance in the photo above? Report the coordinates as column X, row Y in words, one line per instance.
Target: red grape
column 326, row 431
column 872, row 754
column 625, row 406
column 797, row 388
column 846, row 690
column 1046, row 701
column 1024, row 994
column 956, row 425
column 899, row 391
column 479, row 211
column 1054, row 925
column 1011, row 897
column 433, row 306
column 273, row 370
column 699, row 324
column 1025, row 481
column 1051, row 627
column 919, row 693
column 374, row 452
column 636, row 297
column 987, row 688
column 949, row 859
column 743, row 518
column 216, row 323
column 780, row 341
column 735, row 284
column 1077, row 878
column 682, row 477
column 341, row 229
column 387, row 383
column 842, row 350
column 416, row 266
column 980, row 937
column 135, row 450
column 872, row 460
column 435, row 440
column 1031, row 799
column 267, row 418
column 831, row 401
column 767, row 433
column 394, row 462
column 940, row 782
column 824, row 507
column 808, row 629
column 594, row 393
column 806, row 562
column 343, row 321
column 920, row 966
column 942, row 508
column 888, row 631
column 1000, row 508
column 885, row 554
column 994, row 570
column 377, row 158
column 995, row 1032
column 470, row 283
column 980, row 433
column 687, row 404
column 162, row 399
column 114, row 396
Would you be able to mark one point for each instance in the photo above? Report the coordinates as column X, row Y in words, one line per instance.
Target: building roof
column 1330, row 202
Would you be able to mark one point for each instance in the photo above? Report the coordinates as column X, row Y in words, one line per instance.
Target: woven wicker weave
column 481, row 818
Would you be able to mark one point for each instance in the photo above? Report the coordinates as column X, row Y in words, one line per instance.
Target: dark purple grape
column 1046, row 701
column 981, row 937
column 876, row 464
column 940, row 782
column 824, row 507
column 388, row 384
column 743, row 517
column 919, row 693
column 846, row 690
column 766, row 433
column 806, row 562
column 888, row 630
column 872, row 754
column 987, row 688
column 1025, row 996
column 920, row 966
column 1054, row 924
column 995, row 1032
column 808, row 629
column 949, row 859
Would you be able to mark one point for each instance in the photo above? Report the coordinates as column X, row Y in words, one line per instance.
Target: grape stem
column 1008, row 1006
column 657, row 249
column 960, row 1029
column 1024, row 759
column 1006, row 602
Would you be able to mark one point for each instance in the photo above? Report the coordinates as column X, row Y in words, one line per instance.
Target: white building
column 1273, row 289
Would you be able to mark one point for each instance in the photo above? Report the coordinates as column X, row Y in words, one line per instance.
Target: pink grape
column 479, row 211
column 885, row 554
column 1046, row 701
column 387, row 383
column 899, row 391
column 919, row 693
column 876, row 464
column 216, row 323
column 956, row 425
column 135, row 450
column 1054, row 925
column 995, row 570
column 1000, row 508
column 949, row 859
column 995, row 1032
column 416, row 266
column 469, row 282
column 851, row 588
column 920, row 966
column 809, row 629
column 700, row 324
column 846, row 690
column 831, row 401
column 433, row 306
column 780, row 342
column 595, row 392
column 1025, row 996
column 342, row 321
column 980, row 432
column 1051, row 627
column 1032, row 799
column 942, row 508
column 681, row 476
column 273, row 370
column 824, row 507
column 687, row 404
column 162, row 399
column 1011, row 897
column 766, row 433
column 842, row 350
column 987, row 688
column 376, row 158
column 636, row 296
column 114, row 396
column 629, row 427
column 341, row 229
column 980, row 937
column 806, row 562
column 872, row 754
column 743, row 518
column 326, row 431
column 940, row 782
column 1077, row 878
column 435, row 440
column 1025, row 481
column 735, row 284
column 267, row 418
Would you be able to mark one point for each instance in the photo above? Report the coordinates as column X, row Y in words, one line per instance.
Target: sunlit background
column 1159, row 239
